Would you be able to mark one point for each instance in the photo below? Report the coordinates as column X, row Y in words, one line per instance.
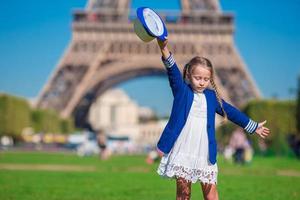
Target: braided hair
column 201, row 61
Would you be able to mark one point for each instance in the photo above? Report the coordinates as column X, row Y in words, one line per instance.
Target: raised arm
column 175, row 77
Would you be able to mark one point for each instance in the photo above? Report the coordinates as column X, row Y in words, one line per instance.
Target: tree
column 67, row 125
column 298, row 107
column 14, row 115
column 280, row 116
column 46, row 121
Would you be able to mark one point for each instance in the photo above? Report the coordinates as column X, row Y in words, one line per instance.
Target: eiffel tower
column 104, row 51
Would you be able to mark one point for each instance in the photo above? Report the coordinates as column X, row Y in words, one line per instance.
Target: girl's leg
column 183, row 189
column 210, row 191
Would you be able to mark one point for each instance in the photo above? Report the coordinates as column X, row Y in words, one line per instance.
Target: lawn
column 65, row 176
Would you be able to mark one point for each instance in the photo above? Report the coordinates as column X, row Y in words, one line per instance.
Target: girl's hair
column 201, row 61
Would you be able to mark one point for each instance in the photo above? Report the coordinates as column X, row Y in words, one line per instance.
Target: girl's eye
column 206, row 79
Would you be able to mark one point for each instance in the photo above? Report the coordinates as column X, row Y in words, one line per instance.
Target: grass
column 62, row 176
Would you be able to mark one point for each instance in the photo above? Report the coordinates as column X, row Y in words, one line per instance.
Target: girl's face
column 199, row 78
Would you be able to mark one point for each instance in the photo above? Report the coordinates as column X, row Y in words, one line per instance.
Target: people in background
column 241, row 148
column 102, row 143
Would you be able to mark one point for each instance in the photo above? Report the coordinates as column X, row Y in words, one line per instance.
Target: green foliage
column 298, row 107
column 48, row 121
column 45, row 121
column 280, row 119
column 14, row 115
column 67, row 125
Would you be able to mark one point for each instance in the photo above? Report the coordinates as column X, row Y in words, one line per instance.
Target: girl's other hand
column 160, row 153
column 261, row 130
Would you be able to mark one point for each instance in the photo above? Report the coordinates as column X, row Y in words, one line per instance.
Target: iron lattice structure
column 104, row 51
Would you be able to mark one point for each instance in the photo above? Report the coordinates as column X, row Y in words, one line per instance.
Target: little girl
column 188, row 142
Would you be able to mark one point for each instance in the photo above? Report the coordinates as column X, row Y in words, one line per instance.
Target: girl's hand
column 162, row 44
column 160, row 153
column 262, row 131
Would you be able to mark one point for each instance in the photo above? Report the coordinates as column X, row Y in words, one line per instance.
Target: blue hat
column 149, row 25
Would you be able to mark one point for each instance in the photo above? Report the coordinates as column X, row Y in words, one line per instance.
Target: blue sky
column 34, row 34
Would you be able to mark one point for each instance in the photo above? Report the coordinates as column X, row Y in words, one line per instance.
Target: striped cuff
column 169, row 62
column 251, row 126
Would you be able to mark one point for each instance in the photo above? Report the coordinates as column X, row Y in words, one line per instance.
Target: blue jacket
column 183, row 99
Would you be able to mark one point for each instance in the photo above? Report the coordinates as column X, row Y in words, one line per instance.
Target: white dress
column 189, row 156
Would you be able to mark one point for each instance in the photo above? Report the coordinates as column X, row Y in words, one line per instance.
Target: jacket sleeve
column 174, row 75
column 237, row 117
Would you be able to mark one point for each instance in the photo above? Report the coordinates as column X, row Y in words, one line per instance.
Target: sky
column 35, row 33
